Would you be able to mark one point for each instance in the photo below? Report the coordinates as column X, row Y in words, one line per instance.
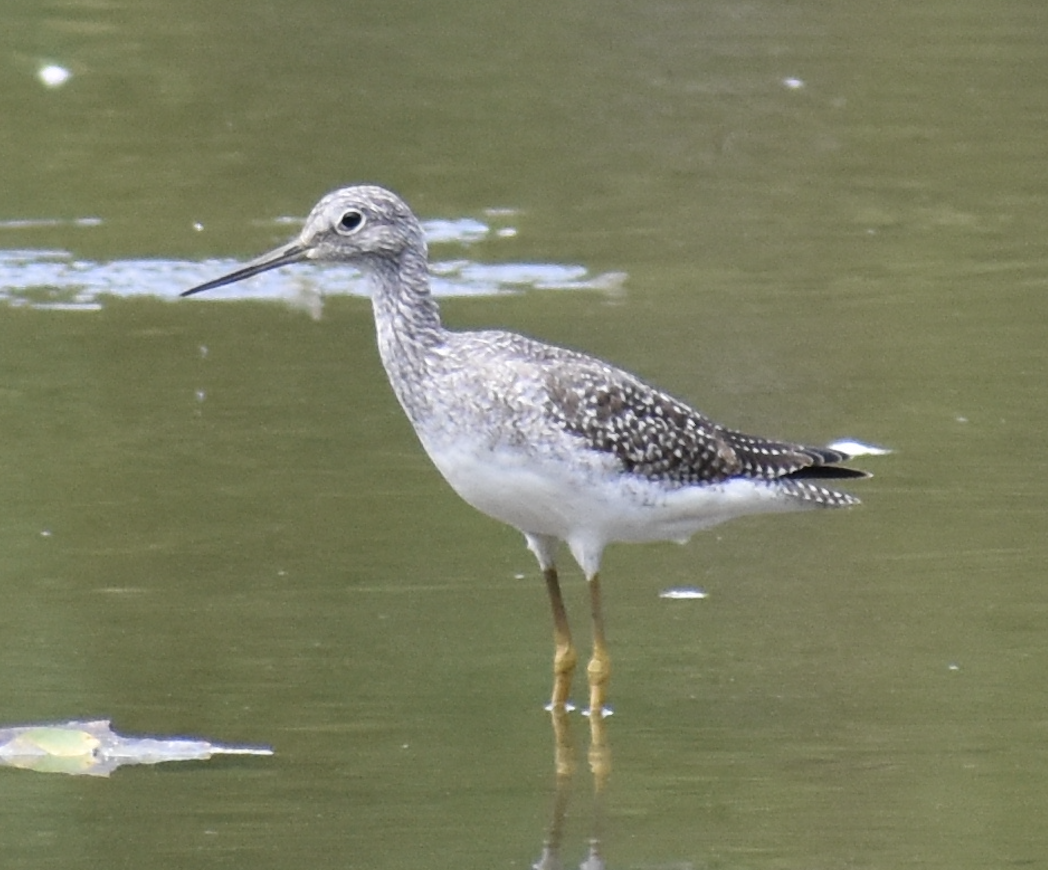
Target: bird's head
column 354, row 225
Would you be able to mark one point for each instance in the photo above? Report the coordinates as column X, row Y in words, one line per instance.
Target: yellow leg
column 598, row 672
column 564, row 655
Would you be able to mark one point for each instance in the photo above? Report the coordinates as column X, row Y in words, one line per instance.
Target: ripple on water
column 55, row 279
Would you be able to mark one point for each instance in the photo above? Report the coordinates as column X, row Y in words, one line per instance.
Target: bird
column 562, row 446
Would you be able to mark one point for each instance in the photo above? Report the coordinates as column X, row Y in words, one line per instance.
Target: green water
column 214, row 520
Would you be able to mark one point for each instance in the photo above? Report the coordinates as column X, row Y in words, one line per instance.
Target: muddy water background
column 215, row 521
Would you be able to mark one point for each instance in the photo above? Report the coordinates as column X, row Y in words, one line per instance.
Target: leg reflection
column 564, row 765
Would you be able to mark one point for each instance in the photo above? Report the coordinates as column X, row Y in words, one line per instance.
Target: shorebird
column 558, row 444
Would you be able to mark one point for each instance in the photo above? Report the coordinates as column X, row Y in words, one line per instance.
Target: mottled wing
column 659, row 437
column 650, row 433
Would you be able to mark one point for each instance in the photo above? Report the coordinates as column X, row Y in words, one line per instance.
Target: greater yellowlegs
column 560, row 445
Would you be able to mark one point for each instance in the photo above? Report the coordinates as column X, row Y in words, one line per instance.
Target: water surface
column 215, row 521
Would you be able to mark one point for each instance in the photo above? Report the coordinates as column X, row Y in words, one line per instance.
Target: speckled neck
column 407, row 322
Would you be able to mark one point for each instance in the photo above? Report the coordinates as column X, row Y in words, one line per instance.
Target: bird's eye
column 350, row 222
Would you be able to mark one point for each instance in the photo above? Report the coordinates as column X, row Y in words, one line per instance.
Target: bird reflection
column 564, row 765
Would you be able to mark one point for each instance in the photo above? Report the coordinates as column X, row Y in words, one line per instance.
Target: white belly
column 590, row 505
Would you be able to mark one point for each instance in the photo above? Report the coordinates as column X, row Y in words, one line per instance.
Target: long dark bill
column 292, row 253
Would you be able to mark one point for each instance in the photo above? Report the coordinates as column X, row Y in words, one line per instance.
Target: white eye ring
column 351, row 221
